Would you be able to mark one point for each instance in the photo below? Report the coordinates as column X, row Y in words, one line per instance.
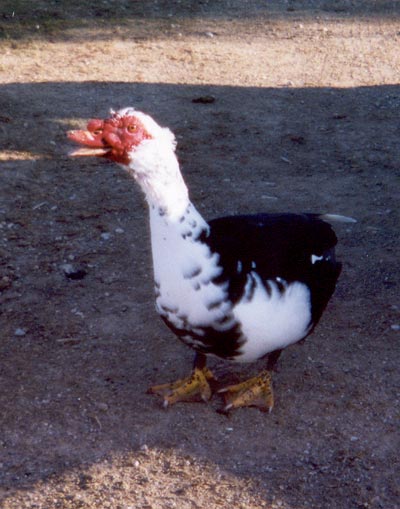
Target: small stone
column 5, row 282
column 20, row 332
column 105, row 236
column 395, row 327
column 102, row 406
column 73, row 272
column 67, row 268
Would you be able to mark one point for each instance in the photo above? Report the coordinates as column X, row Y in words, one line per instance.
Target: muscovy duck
column 240, row 288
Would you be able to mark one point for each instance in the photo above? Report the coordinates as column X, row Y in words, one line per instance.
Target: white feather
column 272, row 321
column 174, row 258
column 156, row 169
column 337, row 218
column 316, row 258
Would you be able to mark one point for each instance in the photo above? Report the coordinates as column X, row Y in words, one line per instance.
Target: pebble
column 102, row 406
column 105, row 236
column 20, row 332
column 73, row 272
column 67, row 268
column 5, row 283
column 395, row 327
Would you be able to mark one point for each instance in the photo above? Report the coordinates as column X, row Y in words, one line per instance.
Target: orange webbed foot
column 193, row 387
column 256, row 391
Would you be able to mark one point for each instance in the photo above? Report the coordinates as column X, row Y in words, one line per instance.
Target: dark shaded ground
column 77, row 355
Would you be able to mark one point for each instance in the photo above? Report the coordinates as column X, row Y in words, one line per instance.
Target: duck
column 240, row 288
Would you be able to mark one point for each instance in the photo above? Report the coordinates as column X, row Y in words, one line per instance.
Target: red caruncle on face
column 116, row 136
column 121, row 134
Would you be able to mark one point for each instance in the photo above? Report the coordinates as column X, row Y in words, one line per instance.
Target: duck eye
column 132, row 128
column 97, row 131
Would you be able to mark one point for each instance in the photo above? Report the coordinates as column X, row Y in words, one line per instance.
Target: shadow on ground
column 76, row 356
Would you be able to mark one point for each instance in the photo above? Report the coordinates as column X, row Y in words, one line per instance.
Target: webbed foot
column 256, row 391
column 195, row 386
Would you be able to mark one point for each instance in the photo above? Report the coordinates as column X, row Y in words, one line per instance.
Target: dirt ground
column 303, row 116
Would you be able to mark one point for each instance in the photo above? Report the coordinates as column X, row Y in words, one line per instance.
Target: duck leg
column 256, row 391
column 187, row 389
column 273, row 359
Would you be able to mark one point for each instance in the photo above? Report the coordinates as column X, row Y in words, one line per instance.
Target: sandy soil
column 305, row 117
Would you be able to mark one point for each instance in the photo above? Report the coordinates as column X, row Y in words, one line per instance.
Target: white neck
column 184, row 266
column 156, row 169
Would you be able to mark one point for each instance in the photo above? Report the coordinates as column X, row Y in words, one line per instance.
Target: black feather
column 277, row 246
